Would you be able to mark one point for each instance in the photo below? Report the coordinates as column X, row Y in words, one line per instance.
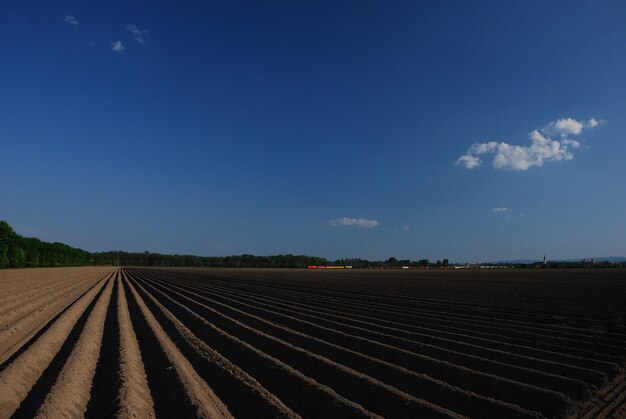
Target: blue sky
column 335, row 129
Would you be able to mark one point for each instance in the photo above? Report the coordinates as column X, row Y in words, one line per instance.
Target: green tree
column 6, row 233
column 392, row 262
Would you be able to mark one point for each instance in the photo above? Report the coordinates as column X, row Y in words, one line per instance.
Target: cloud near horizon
column 353, row 222
column 543, row 148
column 500, row 209
column 71, row 20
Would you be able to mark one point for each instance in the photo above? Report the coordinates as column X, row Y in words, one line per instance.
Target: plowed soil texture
column 175, row 343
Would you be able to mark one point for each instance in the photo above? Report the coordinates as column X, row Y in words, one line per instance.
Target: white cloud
column 573, row 143
column 406, row 227
column 468, row 161
column 118, row 46
column 564, row 127
column 71, row 20
column 480, row 148
column 592, row 123
column 569, row 126
column 542, row 147
column 500, row 209
column 138, row 34
column 353, row 222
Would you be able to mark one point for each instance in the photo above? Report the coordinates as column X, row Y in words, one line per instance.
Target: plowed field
column 138, row 342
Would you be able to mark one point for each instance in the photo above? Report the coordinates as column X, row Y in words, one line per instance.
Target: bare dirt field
column 138, row 342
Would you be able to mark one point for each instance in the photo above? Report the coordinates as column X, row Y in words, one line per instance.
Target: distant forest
column 119, row 258
column 21, row 252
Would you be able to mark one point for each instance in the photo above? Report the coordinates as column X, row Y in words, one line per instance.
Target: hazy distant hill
column 612, row 259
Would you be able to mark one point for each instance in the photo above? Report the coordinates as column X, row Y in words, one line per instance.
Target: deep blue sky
column 325, row 128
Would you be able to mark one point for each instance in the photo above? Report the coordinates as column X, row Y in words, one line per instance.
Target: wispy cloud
column 353, row 222
column 542, row 148
column 138, row 34
column 118, row 46
column 71, row 20
column 500, row 209
column 469, row 161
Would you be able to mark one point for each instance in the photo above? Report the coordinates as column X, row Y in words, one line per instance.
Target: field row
column 211, row 343
column 483, row 361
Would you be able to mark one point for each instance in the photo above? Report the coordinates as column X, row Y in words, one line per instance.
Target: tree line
column 21, row 252
column 119, row 258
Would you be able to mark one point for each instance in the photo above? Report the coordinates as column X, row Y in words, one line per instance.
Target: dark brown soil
column 141, row 342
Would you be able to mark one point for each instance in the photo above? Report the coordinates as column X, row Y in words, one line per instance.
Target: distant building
column 541, row 264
